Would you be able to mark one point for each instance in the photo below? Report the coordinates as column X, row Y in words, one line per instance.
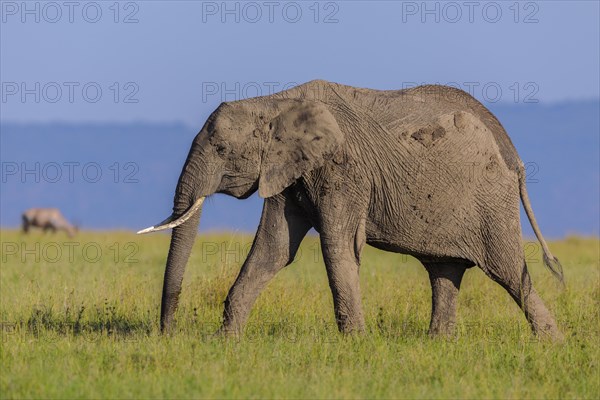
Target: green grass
column 86, row 325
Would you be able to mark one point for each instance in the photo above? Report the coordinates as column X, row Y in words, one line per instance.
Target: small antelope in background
column 48, row 219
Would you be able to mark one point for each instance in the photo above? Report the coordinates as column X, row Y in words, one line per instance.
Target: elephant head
column 262, row 144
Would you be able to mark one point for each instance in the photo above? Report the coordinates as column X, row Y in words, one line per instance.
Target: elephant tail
column 549, row 260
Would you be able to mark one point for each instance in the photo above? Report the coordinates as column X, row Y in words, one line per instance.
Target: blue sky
column 175, row 61
column 178, row 60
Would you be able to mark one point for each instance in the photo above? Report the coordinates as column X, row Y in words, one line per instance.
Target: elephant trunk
column 184, row 221
column 194, row 183
column 182, row 240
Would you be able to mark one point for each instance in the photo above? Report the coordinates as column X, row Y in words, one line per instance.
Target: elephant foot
column 167, row 327
column 548, row 332
column 354, row 330
column 224, row 333
column 442, row 329
column 542, row 322
column 351, row 326
column 230, row 329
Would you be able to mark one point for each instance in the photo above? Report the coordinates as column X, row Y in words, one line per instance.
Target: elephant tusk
column 169, row 223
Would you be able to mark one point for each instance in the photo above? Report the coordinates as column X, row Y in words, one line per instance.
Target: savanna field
column 80, row 319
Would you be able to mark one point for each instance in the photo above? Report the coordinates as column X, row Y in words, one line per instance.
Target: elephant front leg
column 342, row 271
column 281, row 230
column 445, row 281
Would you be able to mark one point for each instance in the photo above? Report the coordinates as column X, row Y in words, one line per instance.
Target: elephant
column 426, row 171
column 48, row 219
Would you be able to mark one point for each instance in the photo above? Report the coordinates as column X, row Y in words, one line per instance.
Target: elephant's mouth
column 172, row 221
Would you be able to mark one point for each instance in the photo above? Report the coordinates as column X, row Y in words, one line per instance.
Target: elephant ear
column 302, row 139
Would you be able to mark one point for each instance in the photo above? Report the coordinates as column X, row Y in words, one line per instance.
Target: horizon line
column 183, row 123
column 220, row 231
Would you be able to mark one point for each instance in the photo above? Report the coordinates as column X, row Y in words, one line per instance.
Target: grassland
column 81, row 321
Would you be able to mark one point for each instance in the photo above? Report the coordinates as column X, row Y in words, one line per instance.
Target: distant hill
column 140, row 163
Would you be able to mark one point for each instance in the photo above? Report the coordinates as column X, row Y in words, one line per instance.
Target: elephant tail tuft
column 549, row 260
column 554, row 266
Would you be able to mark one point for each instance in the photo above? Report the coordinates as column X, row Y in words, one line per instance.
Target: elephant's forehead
column 233, row 118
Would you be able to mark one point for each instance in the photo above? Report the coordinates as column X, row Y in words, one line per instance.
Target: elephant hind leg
column 511, row 273
column 445, row 278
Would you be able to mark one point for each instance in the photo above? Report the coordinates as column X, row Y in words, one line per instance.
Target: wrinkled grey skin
column 48, row 219
column 427, row 171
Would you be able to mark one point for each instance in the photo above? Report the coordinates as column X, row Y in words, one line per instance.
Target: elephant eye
column 221, row 149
